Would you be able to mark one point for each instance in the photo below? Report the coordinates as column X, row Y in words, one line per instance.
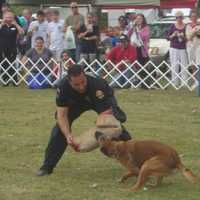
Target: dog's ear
column 98, row 135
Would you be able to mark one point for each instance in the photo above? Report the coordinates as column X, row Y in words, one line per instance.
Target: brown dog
column 144, row 158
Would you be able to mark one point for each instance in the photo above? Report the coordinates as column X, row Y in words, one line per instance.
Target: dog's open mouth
column 105, row 152
column 98, row 135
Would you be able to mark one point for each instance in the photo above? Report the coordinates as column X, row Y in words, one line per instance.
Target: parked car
column 159, row 45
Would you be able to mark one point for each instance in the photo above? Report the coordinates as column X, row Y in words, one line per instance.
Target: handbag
column 136, row 39
column 70, row 39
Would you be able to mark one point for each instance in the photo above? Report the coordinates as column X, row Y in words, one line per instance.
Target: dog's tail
column 187, row 173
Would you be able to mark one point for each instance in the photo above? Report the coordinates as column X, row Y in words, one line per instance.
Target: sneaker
column 43, row 172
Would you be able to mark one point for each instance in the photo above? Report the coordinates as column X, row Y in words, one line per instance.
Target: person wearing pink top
column 177, row 52
column 139, row 37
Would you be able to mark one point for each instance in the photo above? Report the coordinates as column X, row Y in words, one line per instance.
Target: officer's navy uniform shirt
column 96, row 96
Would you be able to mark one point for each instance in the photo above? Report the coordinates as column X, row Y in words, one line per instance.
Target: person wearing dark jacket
column 9, row 30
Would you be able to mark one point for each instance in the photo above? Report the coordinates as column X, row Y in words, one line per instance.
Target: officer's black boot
column 43, row 172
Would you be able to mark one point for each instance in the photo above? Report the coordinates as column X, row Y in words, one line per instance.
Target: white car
column 159, row 45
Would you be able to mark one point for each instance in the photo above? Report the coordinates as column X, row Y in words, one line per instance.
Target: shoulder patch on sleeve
column 100, row 94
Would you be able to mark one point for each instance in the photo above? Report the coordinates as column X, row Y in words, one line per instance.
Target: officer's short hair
column 75, row 70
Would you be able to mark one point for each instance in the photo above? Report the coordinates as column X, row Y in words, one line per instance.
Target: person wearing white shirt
column 38, row 28
column 193, row 38
column 56, row 34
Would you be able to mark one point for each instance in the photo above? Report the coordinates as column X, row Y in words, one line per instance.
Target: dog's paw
column 134, row 189
column 120, row 180
column 124, row 190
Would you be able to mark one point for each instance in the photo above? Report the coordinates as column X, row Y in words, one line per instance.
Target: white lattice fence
column 122, row 75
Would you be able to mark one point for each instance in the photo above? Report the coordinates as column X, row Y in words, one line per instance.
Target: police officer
column 77, row 93
column 9, row 31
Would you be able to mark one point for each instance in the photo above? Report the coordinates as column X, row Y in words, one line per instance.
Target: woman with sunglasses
column 177, row 53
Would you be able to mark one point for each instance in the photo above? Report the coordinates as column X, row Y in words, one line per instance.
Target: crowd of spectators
column 76, row 37
column 184, row 46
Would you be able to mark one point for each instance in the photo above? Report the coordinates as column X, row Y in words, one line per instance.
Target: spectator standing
column 123, row 25
column 177, row 53
column 193, row 39
column 56, row 34
column 24, row 41
column 75, row 20
column 38, row 28
column 6, row 7
column 88, row 35
column 48, row 14
column 9, row 30
column 140, row 36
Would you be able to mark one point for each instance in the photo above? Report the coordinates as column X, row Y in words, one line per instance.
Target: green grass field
column 26, row 118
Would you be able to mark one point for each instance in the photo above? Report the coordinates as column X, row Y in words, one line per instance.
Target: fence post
column 198, row 77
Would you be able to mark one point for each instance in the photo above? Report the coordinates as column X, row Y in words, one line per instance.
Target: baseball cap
column 123, row 37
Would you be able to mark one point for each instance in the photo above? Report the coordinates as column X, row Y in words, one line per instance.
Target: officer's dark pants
column 58, row 143
column 10, row 54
